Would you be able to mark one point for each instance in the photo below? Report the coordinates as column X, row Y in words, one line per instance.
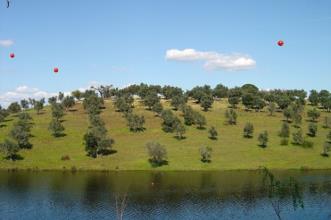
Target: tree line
column 290, row 102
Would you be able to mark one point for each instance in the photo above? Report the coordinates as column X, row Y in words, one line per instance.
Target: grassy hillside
column 230, row 151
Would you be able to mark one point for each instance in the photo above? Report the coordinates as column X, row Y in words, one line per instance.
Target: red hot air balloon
column 12, row 55
column 56, row 70
column 280, row 43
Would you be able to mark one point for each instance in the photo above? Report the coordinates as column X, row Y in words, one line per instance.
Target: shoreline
column 74, row 170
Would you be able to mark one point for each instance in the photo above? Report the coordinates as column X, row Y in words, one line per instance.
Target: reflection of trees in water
column 148, row 194
column 279, row 191
column 97, row 187
column 121, row 203
column 19, row 183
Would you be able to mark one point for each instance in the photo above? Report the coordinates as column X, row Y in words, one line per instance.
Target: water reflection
column 157, row 195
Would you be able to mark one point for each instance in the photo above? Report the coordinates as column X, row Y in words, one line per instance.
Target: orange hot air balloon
column 280, row 43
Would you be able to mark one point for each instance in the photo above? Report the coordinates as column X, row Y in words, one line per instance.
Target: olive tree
column 231, row 116
column 9, row 149
column 205, row 153
column 248, row 130
column 312, row 129
column 157, row 153
column 213, row 133
column 263, row 139
column 271, row 108
column 313, row 114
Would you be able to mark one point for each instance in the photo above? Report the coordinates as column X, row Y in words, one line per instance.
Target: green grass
column 230, row 151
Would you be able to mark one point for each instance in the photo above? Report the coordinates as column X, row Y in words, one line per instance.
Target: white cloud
column 6, row 43
column 213, row 60
column 23, row 92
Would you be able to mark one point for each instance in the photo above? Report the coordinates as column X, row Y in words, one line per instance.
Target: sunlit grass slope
column 230, row 150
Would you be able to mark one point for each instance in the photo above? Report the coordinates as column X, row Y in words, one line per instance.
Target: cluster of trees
column 3, row 114
column 289, row 102
column 321, row 98
column 125, row 103
column 24, row 104
column 158, row 154
column 19, row 137
column 192, row 117
column 55, row 126
column 96, row 140
column 59, row 104
column 171, row 123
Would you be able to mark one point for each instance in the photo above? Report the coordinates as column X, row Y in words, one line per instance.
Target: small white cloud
column 23, row 92
column 6, row 43
column 213, row 60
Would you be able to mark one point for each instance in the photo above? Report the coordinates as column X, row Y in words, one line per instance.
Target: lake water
column 158, row 195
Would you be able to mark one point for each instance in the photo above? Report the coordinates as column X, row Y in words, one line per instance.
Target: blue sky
column 125, row 42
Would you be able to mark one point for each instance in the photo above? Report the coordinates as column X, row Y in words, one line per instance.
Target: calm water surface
column 157, row 195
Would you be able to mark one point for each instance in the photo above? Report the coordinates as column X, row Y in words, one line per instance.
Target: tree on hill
column 220, row 91
column 283, row 101
column 150, row 100
column 38, row 106
column 52, row 100
column 213, row 133
column 233, row 101
column 24, row 104
column 313, row 98
column 180, row 130
column 3, row 114
column 248, row 130
column 312, row 129
column 297, row 119
column 21, row 131
column 297, row 137
column 206, row 102
column 199, row 91
column 199, row 120
column 60, row 96
column 177, row 101
column 248, row 100
column 325, row 99
column 169, row 121
column 135, row 122
column 77, row 94
column 96, row 142
column 288, row 113
column 105, row 92
column 157, row 153
column 258, row 103
column 14, row 108
column 329, row 137
column 157, row 108
column 234, row 96
column 326, row 149
column 169, row 92
column 249, row 88
column 313, row 114
column 122, row 105
column 263, row 139
column 92, row 103
column 68, row 102
column 271, row 108
column 57, row 110
column 9, row 149
column 56, row 127
column 205, row 153
column 231, row 116
column 285, row 130
column 327, row 122
column 188, row 114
